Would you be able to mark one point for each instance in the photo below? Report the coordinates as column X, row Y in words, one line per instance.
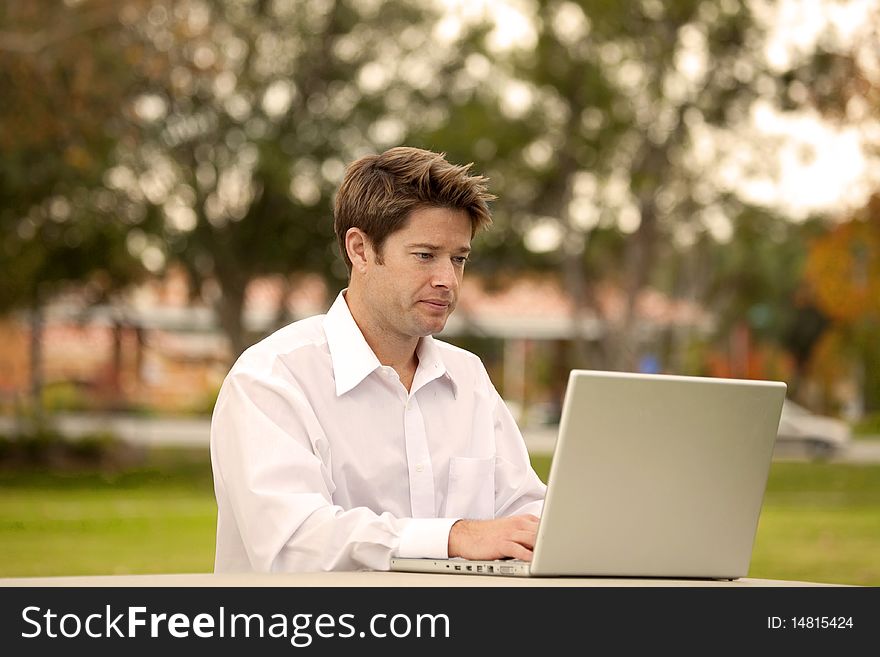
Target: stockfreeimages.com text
column 301, row 629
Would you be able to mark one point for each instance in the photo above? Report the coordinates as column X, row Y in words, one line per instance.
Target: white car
column 819, row 436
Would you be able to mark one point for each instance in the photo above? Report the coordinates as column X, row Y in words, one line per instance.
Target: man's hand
column 494, row 539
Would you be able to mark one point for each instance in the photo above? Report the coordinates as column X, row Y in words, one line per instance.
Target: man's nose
column 444, row 274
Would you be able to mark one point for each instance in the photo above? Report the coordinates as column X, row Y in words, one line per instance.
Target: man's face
column 415, row 289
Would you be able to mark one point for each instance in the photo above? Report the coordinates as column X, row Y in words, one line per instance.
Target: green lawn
column 157, row 519
column 820, row 522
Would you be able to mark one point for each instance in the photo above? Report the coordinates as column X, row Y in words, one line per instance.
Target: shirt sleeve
column 518, row 489
column 273, row 484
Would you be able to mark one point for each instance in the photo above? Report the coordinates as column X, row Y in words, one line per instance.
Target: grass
column 867, row 427
column 157, row 519
column 820, row 522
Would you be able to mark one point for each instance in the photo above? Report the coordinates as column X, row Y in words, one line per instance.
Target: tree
column 623, row 126
column 246, row 137
column 62, row 77
column 843, row 273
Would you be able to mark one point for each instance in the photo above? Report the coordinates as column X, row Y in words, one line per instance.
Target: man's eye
column 459, row 260
column 423, row 256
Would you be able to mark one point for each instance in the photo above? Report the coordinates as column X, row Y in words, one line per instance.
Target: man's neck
column 391, row 349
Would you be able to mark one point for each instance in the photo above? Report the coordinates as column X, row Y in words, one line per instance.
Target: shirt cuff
column 425, row 538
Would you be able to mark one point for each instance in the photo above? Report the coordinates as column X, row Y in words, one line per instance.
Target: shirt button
column 420, row 467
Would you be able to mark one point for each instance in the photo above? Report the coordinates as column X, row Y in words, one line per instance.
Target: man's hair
column 379, row 192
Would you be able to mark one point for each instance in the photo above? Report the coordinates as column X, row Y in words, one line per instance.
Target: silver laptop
column 652, row 476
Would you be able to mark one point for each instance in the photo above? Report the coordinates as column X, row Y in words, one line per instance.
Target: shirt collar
column 353, row 360
column 431, row 365
column 351, row 356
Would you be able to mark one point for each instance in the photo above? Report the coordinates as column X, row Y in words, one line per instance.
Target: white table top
column 375, row 579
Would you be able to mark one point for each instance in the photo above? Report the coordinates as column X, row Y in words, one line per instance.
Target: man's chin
column 430, row 326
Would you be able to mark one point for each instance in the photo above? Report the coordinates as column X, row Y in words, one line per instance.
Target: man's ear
column 357, row 245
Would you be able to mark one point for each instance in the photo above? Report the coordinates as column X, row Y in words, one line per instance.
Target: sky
column 823, row 167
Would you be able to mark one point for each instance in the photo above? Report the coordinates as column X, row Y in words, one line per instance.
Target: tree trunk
column 573, row 274
column 230, row 312
column 574, row 244
column 639, row 258
column 116, row 366
column 36, row 359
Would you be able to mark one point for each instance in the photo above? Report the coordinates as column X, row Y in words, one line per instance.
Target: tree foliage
column 843, row 274
column 63, row 79
column 247, row 134
column 843, row 268
column 213, row 134
column 618, row 134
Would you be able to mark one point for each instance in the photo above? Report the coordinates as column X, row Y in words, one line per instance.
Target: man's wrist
column 454, row 549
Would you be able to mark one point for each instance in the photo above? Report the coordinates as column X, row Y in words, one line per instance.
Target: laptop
column 652, row 475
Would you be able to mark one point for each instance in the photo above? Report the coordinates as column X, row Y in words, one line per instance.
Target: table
column 379, row 579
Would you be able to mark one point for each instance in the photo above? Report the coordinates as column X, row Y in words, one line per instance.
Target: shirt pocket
column 471, row 488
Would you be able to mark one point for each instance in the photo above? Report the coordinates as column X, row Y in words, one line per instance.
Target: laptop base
column 502, row 567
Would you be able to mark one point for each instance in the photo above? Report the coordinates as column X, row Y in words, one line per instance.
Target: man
column 345, row 439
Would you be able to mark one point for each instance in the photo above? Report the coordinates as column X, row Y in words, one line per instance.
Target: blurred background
column 686, row 187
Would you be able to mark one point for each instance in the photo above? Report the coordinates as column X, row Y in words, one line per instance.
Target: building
column 156, row 350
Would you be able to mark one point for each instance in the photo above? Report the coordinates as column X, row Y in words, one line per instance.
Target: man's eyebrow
column 434, row 247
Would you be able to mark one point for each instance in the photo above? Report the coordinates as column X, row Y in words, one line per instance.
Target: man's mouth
column 436, row 303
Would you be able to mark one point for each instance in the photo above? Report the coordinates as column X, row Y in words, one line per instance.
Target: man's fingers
column 527, row 522
column 525, row 538
column 513, row 537
column 518, row 551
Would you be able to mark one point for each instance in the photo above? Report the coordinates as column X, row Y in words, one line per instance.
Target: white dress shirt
column 323, row 461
